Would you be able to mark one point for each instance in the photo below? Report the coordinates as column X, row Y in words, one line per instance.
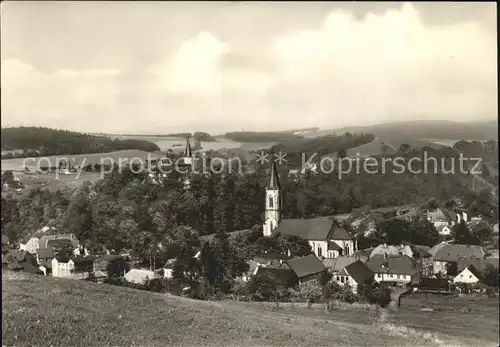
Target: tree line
column 38, row 141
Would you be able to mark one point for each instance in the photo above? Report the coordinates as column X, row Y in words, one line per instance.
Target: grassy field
column 45, row 311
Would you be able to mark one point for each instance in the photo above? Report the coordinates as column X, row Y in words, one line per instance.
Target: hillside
column 442, row 130
column 41, row 311
column 33, row 141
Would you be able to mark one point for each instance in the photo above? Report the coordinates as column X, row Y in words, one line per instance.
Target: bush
column 375, row 293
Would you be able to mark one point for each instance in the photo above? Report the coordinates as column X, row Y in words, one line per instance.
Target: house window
column 320, row 252
column 470, row 276
column 342, row 279
column 379, row 275
column 347, row 250
column 399, row 277
column 270, row 202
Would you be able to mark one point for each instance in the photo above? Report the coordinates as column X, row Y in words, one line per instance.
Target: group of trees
column 37, row 141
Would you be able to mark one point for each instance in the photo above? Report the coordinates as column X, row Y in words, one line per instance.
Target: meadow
column 47, row 311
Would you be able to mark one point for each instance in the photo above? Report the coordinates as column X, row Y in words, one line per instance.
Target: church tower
column 274, row 202
column 188, row 154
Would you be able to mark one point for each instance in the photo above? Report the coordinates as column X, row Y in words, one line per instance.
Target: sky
column 164, row 67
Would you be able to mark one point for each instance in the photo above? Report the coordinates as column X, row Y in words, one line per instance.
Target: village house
column 110, row 265
column 335, row 265
column 73, row 268
column 306, row 268
column 399, row 270
column 469, row 275
column 412, row 251
column 447, row 254
column 140, row 276
column 446, row 217
column 354, row 274
column 282, row 275
column 326, row 238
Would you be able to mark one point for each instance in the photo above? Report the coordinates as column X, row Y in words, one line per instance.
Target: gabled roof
column 337, row 264
column 309, row 229
column 273, row 181
column 48, row 240
column 401, row 265
column 283, row 275
column 340, row 234
column 359, row 271
column 456, row 252
column 476, row 272
column 305, row 266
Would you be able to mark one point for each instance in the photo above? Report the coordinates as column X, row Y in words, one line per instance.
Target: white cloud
column 347, row 71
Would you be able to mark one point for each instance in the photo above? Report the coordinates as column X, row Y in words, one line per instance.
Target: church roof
column 341, row 234
column 188, row 152
column 309, row 229
column 273, row 182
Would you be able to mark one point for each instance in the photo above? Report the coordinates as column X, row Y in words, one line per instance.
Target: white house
column 353, row 275
column 394, row 269
column 469, row 275
column 75, row 268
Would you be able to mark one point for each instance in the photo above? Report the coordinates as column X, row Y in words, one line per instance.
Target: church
column 326, row 238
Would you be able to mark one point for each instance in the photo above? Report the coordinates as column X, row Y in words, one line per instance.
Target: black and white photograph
column 249, row 173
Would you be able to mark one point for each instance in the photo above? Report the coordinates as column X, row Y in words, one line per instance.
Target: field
column 47, row 311
column 79, row 159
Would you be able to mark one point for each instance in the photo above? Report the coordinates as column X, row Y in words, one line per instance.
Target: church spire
column 274, row 182
column 188, row 152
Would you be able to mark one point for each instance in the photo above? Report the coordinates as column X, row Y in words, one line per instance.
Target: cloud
column 345, row 71
column 64, row 98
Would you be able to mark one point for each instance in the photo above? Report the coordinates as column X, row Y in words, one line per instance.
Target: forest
column 38, row 141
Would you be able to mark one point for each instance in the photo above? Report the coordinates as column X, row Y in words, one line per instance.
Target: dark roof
column 455, row 252
column 399, row 265
column 337, row 264
column 479, row 264
column 46, row 239
column 359, row 271
column 273, row 182
column 283, row 275
column 84, row 260
column 309, row 229
column 305, row 266
column 340, row 234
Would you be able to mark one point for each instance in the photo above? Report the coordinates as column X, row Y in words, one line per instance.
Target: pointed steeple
column 188, row 152
column 274, row 182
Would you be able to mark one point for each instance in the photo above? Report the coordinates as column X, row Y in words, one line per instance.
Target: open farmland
column 46, row 311
column 80, row 159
